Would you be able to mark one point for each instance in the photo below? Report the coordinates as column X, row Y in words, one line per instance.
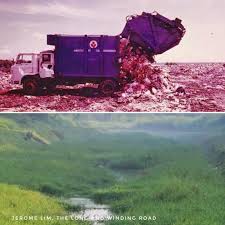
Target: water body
column 90, row 211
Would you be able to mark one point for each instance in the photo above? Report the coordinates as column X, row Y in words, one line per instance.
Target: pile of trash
column 5, row 65
column 139, row 76
column 5, row 84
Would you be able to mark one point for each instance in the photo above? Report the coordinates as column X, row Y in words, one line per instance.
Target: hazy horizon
column 25, row 24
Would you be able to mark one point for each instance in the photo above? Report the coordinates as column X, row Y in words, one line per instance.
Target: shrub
column 115, row 194
column 50, row 189
column 127, row 164
column 173, row 190
column 72, row 208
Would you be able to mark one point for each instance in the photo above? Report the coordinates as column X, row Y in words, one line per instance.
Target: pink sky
column 25, row 23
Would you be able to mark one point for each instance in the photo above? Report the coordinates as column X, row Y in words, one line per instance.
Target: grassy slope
column 52, row 169
column 17, row 202
column 68, row 166
column 82, row 166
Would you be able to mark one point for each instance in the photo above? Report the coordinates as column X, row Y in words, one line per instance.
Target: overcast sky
column 25, row 23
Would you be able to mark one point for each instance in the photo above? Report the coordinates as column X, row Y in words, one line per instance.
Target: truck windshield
column 24, row 59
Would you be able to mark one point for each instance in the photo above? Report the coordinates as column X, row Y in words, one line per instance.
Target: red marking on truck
column 93, row 44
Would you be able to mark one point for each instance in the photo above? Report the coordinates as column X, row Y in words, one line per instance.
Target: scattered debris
column 181, row 90
column 5, row 65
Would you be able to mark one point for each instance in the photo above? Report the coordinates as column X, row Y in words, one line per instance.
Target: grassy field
column 136, row 173
column 87, row 162
column 53, row 169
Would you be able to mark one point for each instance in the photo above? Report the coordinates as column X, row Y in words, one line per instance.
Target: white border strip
column 119, row 112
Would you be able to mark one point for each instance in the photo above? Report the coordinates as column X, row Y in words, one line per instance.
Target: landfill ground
column 203, row 90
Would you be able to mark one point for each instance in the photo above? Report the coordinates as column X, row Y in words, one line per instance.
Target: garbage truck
column 94, row 58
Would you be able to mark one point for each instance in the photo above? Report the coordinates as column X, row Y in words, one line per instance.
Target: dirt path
column 204, row 85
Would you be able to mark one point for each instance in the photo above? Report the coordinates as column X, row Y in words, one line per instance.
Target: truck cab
column 26, row 64
column 75, row 60
column 32, row 70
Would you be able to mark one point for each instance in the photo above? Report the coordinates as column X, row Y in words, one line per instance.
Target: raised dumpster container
column 90, row 57
column 154, row 33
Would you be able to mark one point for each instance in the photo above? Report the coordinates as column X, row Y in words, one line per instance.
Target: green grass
column 52, row 169
column 184, row 189
column 17, row 202
column 78, row 164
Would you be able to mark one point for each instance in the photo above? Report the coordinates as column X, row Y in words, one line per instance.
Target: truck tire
column 50, row 87
column 108, row 87
column 31, row 86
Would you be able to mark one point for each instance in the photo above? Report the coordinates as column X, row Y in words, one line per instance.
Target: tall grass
column 18, row 203
column 184, row 189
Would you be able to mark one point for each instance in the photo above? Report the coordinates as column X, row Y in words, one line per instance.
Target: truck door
column 25, row 62
column 46, row 65
column 94, row 56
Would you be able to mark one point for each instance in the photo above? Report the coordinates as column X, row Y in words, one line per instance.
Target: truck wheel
column 108, row 87
column 31, row 86
column 50, row 87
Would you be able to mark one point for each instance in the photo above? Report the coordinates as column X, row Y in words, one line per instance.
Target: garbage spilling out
column 139, row 76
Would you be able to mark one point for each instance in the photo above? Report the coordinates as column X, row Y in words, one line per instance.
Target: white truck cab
column 33, row 71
